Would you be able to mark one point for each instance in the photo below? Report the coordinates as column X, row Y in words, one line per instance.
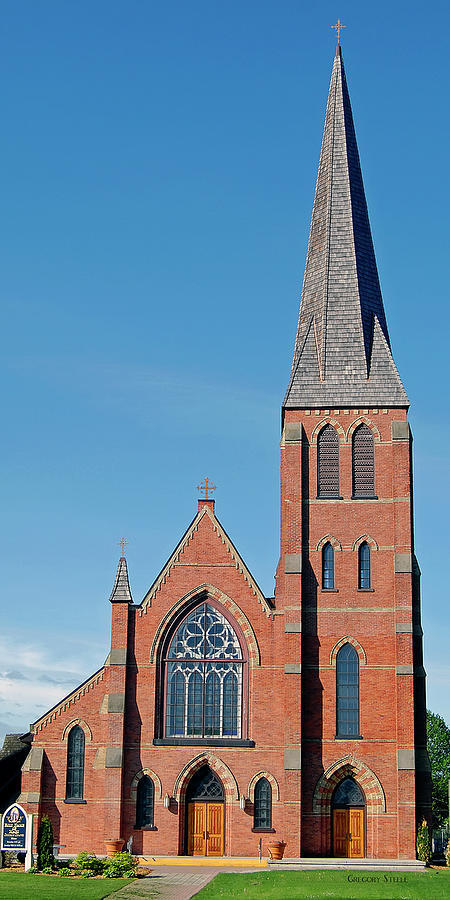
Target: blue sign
column 14, row 829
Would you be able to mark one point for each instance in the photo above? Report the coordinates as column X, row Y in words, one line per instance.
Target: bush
column 423, row 843
column 64, row 871
column 33, row 870
column 121, row 865
column 45, row 859
column 89, row 864
column 447, row 853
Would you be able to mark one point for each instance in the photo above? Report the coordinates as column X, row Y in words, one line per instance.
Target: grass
column 17, row 886
column 432, row 884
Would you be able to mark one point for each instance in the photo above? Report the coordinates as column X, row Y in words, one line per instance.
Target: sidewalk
column 173, row 882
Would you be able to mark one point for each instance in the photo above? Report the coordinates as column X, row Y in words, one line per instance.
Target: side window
column 75, row 764
column 347, row 692
column 363, row 462
column 145, row 803
column 364, row 579
column 327, row 567
column 328, row 463
column 263, row 805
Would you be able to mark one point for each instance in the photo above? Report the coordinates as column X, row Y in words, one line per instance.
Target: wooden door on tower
column 348, row 833
column 205, row 829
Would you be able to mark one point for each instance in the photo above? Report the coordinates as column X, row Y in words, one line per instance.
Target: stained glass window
column 328, row 462
column 204, row 677
column 263, row 804
column 347, row 690
column 364, row 566
column 348, row 793
column 75, row 764
column 363, row 462
column 328, row 567
column 145, row 802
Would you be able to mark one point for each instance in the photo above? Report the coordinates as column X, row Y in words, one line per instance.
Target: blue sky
column 159, row 163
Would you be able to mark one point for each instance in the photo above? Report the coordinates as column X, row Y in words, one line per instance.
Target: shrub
column 423, row 843
column 447, row 853
column 45, row 859
column 64, row 871
column 33, row 870
column 121, row 865
column 47, row 870
column 88, row 863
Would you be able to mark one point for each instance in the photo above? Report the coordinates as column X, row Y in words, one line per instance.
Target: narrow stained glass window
column 347, row 692
column 364, row 566
column 263, row 804
column 328, row 567
column 145, row 802
column 75, row 764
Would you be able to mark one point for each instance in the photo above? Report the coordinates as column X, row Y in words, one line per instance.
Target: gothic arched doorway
column 205, row 814
column 348, row 806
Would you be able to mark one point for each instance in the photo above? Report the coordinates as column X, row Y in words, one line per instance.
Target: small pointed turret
column 121, row 592
column 342, row 354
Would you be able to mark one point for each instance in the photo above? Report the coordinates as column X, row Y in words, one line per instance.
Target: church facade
column 223, row 718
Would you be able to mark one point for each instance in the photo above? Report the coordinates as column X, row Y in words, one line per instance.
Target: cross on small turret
column 123, row 543
column 339, row 26
column 206, row 487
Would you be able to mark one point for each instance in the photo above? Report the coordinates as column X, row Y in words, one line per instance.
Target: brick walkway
column 173, row 883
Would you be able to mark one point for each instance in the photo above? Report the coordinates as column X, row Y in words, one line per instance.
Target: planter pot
column 113, row 847
column 276, row 849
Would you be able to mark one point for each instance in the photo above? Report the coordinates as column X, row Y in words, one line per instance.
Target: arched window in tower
column 363, row 458
column 204, row 677
column 347, row 692
column 75, row 764
column 262, row 807
column 364, row 567
column 327, row 567
column 145, row 803
column 328, row 463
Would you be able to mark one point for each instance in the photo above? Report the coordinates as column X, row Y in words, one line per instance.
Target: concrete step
column 373, row 865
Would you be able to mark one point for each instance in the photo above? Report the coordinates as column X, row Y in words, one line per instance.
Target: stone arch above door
column 217, row 765
column 348, row 766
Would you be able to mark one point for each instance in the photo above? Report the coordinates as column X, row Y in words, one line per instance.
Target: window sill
column 365, row 590
column 201, row 742
column 348, row 737
column 145, row 828
column 329, row 497
column 329, row 590
column 364, row 497
column 69, row 800
column 263, row 830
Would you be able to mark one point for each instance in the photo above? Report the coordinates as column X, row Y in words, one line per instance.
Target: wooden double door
column 348, row 833
column 205, row 823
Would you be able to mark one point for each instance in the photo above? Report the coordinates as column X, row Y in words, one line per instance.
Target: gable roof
column 205, row 510
column 342, row 354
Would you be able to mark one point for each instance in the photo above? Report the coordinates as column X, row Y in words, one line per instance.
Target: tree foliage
column 438, row 744
column 44, row 842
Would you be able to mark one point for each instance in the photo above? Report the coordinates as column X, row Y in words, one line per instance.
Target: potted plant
column 113, row 847
column 276, row 849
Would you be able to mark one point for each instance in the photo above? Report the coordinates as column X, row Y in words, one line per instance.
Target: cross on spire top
column 339, row 26
column 206, row 487
column 122, row 543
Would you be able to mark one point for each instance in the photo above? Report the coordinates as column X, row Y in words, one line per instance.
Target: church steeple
column 342, row 354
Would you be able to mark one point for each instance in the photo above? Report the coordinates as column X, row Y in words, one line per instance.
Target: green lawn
column 16, row 886
column 429, row 885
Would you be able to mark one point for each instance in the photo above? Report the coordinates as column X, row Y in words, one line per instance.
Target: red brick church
column 222, row 717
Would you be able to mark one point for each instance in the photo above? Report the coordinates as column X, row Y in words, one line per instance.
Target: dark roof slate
column 342, row 354
column 121, row 592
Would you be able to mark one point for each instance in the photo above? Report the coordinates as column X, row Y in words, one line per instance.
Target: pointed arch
column 82, row 724
column 328, row 462
column 362, row 420
column 366, row 779
column 201, row 593
column 365, row 538
column 363, row 462
column 328, row 421
column 348, row 640
column 270, row 778
column 329, row 539
column 136, row 779
column 217, row 765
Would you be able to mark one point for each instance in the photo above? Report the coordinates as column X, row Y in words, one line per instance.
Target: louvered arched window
column 263, row 804
column 327, row 567
column 347, row 692
column 363, row 462
column 75, row 764
column 145, row 803
column 364, row 567
column 328, row 463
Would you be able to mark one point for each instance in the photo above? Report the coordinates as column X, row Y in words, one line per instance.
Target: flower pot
column 276, row 849
column 113, row 847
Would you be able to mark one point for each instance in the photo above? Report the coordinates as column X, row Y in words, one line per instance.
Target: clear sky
column 158, row 166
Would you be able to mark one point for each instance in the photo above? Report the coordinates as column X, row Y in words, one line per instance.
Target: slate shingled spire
column 121, row 592
column 342, row 354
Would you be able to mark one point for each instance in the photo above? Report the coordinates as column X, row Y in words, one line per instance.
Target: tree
column 438, row 744
column 44, row 842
